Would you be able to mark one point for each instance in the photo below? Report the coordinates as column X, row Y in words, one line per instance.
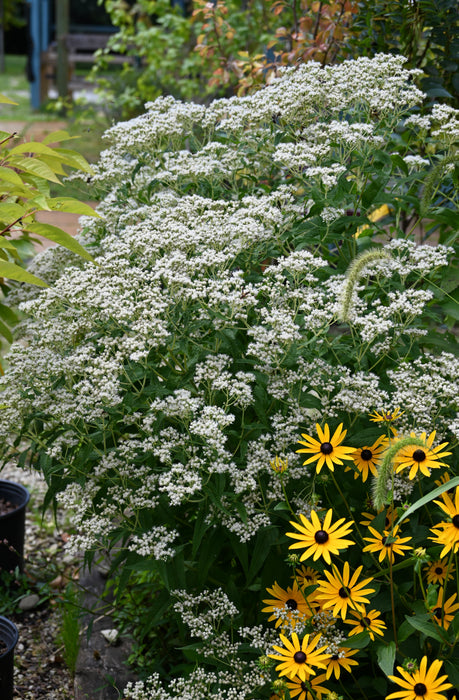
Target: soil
column 6, row 506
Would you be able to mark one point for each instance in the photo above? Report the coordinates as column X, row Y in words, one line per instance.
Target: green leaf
column 421, row 623
column 358, row 641
column 452, row 669
column 53, row 233
column 72, row 206
column 451, row 484
column 14, row 272
column 5, row 332
column 386, row 657
column 281, row 506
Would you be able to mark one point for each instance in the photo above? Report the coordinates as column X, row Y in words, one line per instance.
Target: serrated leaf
column 57, row 235
column 14, row 272
column 452, row 483
column 386, row 657
column 72, row 206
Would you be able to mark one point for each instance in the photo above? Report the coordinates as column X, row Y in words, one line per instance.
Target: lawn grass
column 88, row 129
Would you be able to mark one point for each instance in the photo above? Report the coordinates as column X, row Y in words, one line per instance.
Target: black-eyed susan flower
column 443, row 612
column 387, row 543
column 306, row 576
column 326, row 450
column 299, row 658
column 386, row 416
column 392, row 516
column 320, row 539
column 367, row 458
column 437, row 571
column 364, row 621
column 425, row 683
column 309, row 689
column 286, row 605
column 447, row 533
column 341, row 660
column 422, row 459
column 343, row 591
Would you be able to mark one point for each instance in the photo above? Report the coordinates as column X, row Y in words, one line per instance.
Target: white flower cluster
column 203, row 612
column 155, row 543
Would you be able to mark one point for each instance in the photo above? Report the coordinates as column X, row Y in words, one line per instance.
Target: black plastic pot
column 12, row 526
column 9, row 637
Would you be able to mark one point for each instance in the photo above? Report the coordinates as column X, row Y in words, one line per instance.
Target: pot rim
column 13, row 488
column 11, row 640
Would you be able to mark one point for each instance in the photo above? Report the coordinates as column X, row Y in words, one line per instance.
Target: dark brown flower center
column 291, row 603
column 326, row 448
column 299, row 657
column 419, row 456
column 366, row 455
column 335, row 657
column 437, row 613
column 456, row 521
column 420, row 689
column 383, row 540
column 438, row 570
column 343, row 593
column 366, row 622
column 303, row 686
column 321, row 537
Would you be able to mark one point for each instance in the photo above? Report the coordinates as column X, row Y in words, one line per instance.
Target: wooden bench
column 80, row 49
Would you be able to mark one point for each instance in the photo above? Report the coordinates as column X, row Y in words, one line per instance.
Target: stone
column 29, row 602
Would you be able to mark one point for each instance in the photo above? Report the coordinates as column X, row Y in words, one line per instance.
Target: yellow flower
column 423, row 683
column 447, row 533
column 386, row 416
column 284, row 605
column 306, row 576
column 342, row 591
column 421, row 458
column 436, row 571
column 367, row 458
column 279, row 465
column 326, row 450
column 341, row 660
column 309, row 689
column 386, row 543
column 443, row 613
column 320, row 540
column 366, row 622
column 297, row 659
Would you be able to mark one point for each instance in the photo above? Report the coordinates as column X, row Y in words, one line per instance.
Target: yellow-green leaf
column 6, row 100
column 72, row 206
column 74, row 159
column 9, row 175
column 5, row 332
column 32, row 147
column 37, row 167
column 57, row 137
column 9, row 212
column 55, row 234
column 14, row 272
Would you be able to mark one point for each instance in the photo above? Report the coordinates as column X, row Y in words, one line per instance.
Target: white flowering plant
column 269, row 262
